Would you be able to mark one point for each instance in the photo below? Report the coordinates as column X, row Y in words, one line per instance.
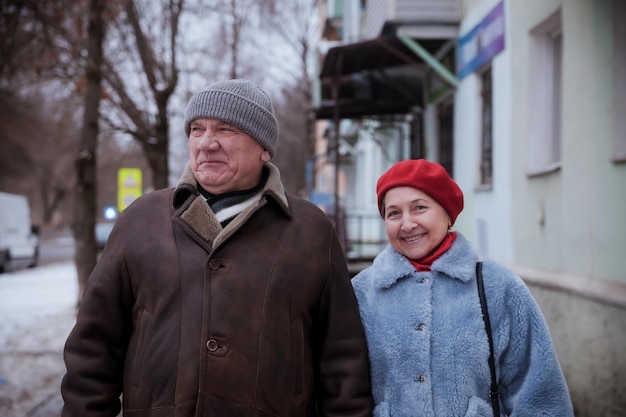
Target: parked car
column 103, row 230
column 19, row 238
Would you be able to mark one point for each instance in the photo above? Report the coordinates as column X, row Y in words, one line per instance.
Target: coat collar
column 187, row 185
column 191, row 208
column 458, row 262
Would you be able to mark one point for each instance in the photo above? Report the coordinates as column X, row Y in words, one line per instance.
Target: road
column 55, row 247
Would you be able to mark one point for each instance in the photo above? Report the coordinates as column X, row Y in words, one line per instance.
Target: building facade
column 539, row 139
column 524, row 102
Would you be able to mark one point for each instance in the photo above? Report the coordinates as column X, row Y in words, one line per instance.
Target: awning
column 381, row 76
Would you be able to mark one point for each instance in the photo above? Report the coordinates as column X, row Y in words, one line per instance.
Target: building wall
column 566, row 220
column 568, row 229
column 561, row 230
column 486, row 218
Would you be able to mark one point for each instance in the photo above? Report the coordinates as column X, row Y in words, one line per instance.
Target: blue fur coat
column 428, row 347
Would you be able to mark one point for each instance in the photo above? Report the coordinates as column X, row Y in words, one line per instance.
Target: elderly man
column 225, row 296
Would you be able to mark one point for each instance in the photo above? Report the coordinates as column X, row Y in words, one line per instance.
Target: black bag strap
column 493, row 391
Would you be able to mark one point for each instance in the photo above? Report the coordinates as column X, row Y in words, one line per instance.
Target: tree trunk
column 157, row 152
column 157, row 160
column 85, row 209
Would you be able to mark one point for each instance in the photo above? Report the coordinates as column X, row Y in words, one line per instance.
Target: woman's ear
column 265, row 156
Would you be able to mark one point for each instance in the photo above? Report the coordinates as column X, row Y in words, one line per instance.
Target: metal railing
column 364, row 237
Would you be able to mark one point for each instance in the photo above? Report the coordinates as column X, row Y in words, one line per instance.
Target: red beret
column 429, row 177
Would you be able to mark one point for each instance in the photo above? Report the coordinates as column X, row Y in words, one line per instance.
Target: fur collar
column 194, row 210
column 458, row 262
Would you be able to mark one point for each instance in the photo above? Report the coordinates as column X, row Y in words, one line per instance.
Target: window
column 486, row 143
column 546, row 50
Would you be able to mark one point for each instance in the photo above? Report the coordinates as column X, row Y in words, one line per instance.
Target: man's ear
column 265, row 156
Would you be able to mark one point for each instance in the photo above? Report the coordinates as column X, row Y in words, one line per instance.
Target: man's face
column 223, row 158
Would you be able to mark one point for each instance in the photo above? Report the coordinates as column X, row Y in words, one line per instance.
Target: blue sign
column 482, row 43
column 325, row 201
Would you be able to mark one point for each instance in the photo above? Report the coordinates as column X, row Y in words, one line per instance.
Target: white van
column 19, row 240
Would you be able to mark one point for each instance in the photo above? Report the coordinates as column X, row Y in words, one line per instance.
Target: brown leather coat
column 187, row 319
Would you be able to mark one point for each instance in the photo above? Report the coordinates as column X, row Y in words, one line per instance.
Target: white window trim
column 619, row 80
column 545, row 97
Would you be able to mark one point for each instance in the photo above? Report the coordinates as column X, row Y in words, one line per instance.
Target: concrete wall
column 590, row 338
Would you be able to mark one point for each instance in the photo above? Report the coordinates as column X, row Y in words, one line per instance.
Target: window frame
column 485, row 168
column 546, row 101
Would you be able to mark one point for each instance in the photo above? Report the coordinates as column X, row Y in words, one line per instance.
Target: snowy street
column 36, row 314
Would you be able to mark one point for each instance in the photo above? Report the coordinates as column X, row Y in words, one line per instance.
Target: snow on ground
column 36, row 315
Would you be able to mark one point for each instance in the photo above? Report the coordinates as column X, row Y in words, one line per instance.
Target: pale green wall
column 583, row 233
column 575, row 261
column 486, row 219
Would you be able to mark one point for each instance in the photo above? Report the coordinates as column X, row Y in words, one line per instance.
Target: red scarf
column 425, row 263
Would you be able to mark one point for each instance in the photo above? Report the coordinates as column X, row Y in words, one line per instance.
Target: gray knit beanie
column 240, row 103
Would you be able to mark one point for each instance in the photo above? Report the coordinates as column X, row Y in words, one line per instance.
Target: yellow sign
column 128, row 186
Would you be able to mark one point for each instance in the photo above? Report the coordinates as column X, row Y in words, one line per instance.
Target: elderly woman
column 426, row 333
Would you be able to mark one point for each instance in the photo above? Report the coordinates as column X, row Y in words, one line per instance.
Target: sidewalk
column 36, row 315
column 50, row 408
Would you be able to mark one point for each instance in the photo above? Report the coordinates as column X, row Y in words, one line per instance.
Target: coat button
column 421, row 378
column 424, row 280
column 212, row 345
column 420, row 327
column 214, row 264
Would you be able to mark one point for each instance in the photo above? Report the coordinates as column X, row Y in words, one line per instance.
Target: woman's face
column 416, row 224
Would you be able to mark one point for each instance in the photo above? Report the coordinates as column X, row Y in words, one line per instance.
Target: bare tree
column 52, row 155
column 38, row 41
column 14, row 124
column 39, row 46
column 238, row 22
column 297, row 26
column 238, row 13
column 140, row 103
column 141, row 69
column 263, row 37
column 291, row 155
column 85, row 208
